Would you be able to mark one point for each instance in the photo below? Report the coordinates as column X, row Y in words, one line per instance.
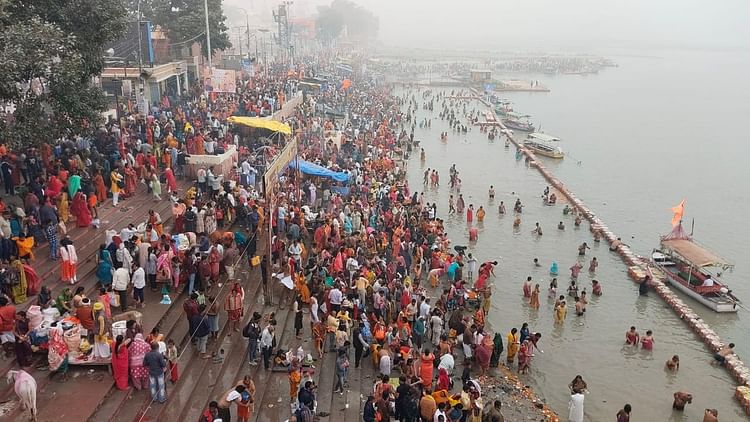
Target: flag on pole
column 678, row 211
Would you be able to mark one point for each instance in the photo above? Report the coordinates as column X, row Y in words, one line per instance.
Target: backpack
column 251, row 331
column 190, row 215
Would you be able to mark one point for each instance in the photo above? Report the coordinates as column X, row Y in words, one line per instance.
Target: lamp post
column 117, row 99
column 208, row 37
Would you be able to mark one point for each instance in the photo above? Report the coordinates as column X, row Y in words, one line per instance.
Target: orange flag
column 678, row 211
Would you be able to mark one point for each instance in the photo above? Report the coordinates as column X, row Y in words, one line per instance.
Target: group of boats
column 538, row 142
column 680, row 261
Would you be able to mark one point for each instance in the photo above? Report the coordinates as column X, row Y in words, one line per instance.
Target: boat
column 518, row 122
column 502, row 108
column 687, row 265
column 544, row 145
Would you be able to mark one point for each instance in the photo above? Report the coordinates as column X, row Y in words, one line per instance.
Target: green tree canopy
column 185, row 20
column 49, row 52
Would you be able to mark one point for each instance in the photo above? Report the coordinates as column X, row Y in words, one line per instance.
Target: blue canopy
column 313, row 169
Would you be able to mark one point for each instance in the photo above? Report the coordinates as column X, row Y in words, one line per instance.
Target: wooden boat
column 687, row 265
column 544, row 145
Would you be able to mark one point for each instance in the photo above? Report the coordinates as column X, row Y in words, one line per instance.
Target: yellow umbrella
column 261, row 123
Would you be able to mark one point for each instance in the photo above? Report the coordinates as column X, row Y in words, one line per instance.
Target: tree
column 185, row 20
column 328, row 24
column 361, row 24
column 49, row 52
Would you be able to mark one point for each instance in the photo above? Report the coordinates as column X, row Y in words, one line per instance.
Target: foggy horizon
column 538, row 25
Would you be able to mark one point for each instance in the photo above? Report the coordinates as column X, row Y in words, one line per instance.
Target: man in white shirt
column 266, row 345
column 120, row 281
column 708, row 282
column 201, row 175
column 424, row 308
column 139, row 282
column 335, row 297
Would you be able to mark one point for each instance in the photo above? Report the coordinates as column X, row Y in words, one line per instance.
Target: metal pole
column 208, row 37
column 139, row 97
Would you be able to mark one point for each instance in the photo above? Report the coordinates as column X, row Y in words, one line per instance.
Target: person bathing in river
column 593, row 265
column 632, row 337
column 647, row 342
column 527, row 288
column 613, row 247
column 492, row 192
column 470, row 213
column 575, row 270
column 580, row 307
column 553, row 270
column 681, row 398
column 561, row 310
column 573, row 289
column 517, row 221
column 673, row 364
column 501, row 208
column 582, row 249
column 552, row 291
column 460, row 204
column 537, row 230
column 720, row 358
column 596, row 288
column 561, row 226
column 480, row 214
column 451, row 205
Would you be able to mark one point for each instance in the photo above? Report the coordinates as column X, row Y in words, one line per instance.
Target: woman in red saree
column 80, row 210
column 131, row 180
column 120, row 362
column 171, row 180
column 33, row 282
column 54, row 187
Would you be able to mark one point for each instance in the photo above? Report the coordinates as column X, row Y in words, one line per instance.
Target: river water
column 639, row 138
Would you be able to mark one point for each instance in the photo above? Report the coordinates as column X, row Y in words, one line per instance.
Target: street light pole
column 208, row 37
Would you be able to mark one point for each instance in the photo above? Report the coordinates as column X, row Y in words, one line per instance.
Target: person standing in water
column 624, row 414
column 681, row 398
column 593, row 265
column 575, row 270
column 582, row 249
column 647, row 342
column 460, row 204
column 470, row 213
column 534, row 300
column 480, row 214
column 492, row 192
column 632, row 337
column 451, row 205
column 501, row 208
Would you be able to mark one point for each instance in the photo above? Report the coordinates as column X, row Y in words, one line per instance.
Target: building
column 142, row 68
column 480, row 75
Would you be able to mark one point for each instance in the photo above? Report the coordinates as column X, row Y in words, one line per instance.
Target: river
column 639, row 138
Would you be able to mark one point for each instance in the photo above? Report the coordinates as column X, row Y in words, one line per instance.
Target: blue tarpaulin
column 313, row 169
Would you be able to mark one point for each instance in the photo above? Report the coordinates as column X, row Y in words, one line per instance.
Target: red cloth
column 171, row 180
column 80, row 210
column 54, row 187
column 33, row 282
column 120, row 362
column 425, row 370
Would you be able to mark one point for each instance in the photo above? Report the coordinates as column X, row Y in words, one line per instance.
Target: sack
column 255, row 261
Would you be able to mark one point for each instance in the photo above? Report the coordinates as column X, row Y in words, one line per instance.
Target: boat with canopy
column 694, row 270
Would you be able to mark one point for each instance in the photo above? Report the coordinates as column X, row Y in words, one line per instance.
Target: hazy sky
column 570, row 25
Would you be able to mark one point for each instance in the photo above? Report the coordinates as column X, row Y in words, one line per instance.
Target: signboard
column 221, row 80
column 278, row 165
